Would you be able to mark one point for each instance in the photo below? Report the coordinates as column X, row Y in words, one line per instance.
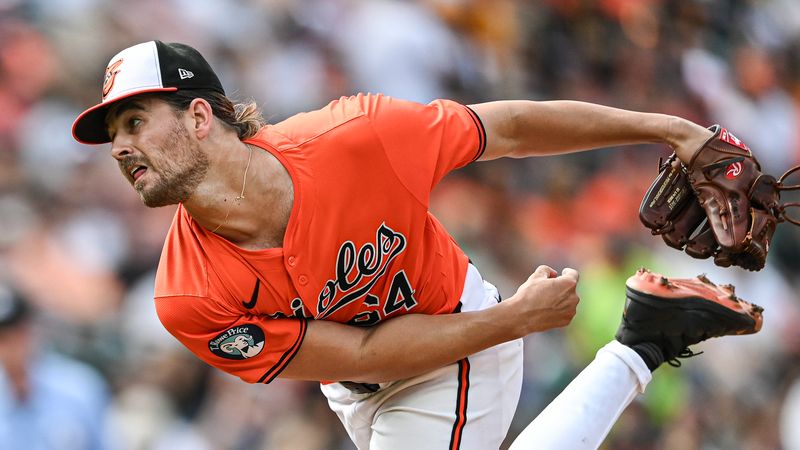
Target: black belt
column 361, row 388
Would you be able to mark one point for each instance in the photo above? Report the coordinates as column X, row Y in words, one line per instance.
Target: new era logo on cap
column 184, row 74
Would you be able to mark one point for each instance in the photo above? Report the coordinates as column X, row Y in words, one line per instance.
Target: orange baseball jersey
column 360, row 246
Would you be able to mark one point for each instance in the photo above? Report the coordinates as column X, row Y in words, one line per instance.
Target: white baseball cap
column 147, row 67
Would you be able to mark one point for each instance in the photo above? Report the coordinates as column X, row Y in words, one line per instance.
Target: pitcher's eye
column 133, row 123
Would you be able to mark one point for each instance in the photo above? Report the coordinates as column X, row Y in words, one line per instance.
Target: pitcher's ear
column 201, row 116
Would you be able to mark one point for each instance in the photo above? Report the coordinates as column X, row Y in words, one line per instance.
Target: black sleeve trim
column 481, row 133
column 287, row 356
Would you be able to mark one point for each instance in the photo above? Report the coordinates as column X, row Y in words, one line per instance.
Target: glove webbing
column 781, row 214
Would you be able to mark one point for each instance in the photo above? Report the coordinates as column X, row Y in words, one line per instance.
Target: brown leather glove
column 720, row 204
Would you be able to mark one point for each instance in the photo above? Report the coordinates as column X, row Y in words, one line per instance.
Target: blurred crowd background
column 86, row 365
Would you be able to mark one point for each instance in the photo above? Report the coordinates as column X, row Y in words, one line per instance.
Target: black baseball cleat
column 673, row 314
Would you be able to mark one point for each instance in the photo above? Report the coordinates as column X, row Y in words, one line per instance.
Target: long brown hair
column 244, row 118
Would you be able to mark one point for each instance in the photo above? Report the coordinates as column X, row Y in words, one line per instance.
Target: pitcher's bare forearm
column 398, row 348
column 411, row 345
column 519, row 128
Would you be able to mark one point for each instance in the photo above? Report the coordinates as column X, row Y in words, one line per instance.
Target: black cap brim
column 90, row 126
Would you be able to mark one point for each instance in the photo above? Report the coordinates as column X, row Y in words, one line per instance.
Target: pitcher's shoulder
column 303, row 127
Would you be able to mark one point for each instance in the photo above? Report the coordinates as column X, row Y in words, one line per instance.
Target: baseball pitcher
column 305, row 249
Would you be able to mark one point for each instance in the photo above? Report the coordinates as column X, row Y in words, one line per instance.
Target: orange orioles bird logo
column 111, row 73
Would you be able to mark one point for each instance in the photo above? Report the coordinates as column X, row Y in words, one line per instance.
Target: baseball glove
column 720, row 204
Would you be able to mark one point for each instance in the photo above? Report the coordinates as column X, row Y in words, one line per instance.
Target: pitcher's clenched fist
column 546, row 300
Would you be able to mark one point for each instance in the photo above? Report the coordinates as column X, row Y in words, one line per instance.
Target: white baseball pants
column 469, row 405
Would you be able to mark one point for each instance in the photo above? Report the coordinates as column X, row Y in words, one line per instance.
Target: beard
column 182, row 167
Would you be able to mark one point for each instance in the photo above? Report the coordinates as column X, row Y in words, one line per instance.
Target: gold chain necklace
column 238, row 199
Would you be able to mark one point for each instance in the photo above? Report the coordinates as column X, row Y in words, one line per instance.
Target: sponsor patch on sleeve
column 239, row 342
